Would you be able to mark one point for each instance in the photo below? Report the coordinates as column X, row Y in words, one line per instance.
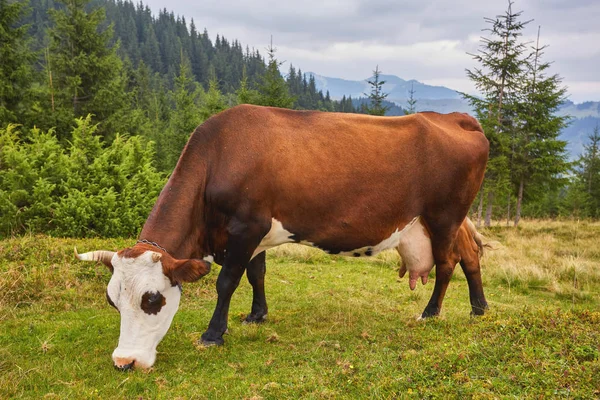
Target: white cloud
column 581, row 91
column 426, row 40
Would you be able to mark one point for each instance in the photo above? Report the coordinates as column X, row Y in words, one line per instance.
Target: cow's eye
column 154, row 298
column 152, row 302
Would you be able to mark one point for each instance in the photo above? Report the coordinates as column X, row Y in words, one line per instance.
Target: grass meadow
column 337, row 327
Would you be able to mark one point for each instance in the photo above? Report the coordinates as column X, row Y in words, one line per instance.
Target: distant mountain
column 576, row 134
column 582, row 110
column 585, row 116
column 430, row 98
column 397, row 88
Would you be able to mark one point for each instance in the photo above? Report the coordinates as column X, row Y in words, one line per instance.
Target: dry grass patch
column 555, row 256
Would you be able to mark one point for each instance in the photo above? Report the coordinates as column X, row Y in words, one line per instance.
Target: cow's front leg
column 243, row 240
column 256, row 276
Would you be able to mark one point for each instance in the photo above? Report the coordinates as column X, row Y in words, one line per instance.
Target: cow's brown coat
column 354, row 171
column 340, row 181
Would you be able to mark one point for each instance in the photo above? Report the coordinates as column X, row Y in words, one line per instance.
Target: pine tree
column 213, row 101
column 588, row 173
column 345, row 105
column 539, row 158
column 411, row 102
column 244, row 94
column 498, row 80
column 184, row 119
column 377, row 96
column 150, row 51
column 86, row 72
column 273, row 89
column 16, row 71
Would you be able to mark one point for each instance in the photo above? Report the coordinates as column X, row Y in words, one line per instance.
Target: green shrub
column 83, row 191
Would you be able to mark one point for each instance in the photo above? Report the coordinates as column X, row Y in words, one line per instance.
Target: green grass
column 337, row 327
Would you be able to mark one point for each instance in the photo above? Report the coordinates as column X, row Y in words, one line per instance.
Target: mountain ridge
column 396, row 87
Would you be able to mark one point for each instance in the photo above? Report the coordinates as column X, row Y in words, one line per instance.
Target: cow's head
column 145, row 288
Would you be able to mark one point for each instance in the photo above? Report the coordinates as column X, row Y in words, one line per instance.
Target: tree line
column 97, row 100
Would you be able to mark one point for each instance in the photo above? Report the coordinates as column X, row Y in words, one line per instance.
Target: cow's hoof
column 255, row 319
column 429, row 314
column 478, row 311
column 208, row 341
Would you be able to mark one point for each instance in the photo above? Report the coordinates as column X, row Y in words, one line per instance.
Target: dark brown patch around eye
column 152, row 303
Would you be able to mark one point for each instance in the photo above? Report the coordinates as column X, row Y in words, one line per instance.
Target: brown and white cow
column 251, row 178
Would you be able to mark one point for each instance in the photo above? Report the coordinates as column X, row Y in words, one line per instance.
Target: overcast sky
column 426, row 40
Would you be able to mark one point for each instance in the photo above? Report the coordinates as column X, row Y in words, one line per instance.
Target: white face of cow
column 145, row 289
column 147, row 302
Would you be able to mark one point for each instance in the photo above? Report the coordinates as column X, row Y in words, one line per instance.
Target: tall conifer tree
column 588, row 173
column 244, row 94
column 273, row 89
column 540, row 157
column 86, row 71
column 377, row 96
column 411, row 102
column 16, row 60
column 183, row 120
column 498, row 80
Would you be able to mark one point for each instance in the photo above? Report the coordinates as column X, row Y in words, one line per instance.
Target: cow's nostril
column 125, row 367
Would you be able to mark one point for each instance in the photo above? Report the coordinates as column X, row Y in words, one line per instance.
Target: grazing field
column 337, row 327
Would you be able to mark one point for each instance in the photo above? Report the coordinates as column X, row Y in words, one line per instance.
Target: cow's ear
column 189, row 270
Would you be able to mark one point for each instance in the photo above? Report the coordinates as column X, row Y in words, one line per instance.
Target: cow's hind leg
column 256, row 276
column 446, row 258
column 469, row 262
column 243, row 239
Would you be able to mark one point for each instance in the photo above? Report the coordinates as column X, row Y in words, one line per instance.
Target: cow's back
column 301, row 148
column 319, row 173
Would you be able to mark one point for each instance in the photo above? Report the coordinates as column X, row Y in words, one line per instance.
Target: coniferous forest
column 97, row 100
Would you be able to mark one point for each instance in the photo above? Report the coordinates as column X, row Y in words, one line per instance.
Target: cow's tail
column 481, row 241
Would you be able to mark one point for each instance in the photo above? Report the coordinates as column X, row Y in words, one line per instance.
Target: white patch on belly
column 412, row 242
column 277, row 235
column 392, row 242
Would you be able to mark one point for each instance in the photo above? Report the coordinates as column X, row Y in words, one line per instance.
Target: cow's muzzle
column 124, row 366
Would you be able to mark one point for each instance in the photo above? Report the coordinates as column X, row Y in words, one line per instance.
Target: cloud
column 426, row 40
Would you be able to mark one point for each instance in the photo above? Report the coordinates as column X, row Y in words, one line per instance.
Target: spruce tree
column 411, row 102
column 498, row 80
column 588, row 173
column 16, row 71
column 213, row 101
column 86, row 73
column 540, row 158
column 183, row 120
column 244, row 94
column 377, row 96
column 273, row 89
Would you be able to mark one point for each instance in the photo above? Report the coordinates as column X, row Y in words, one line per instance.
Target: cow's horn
column 99, row 255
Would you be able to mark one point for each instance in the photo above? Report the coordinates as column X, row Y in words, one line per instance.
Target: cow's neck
column 177, row 218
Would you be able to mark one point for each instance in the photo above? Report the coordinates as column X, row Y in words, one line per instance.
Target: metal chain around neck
column 153, row 244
